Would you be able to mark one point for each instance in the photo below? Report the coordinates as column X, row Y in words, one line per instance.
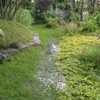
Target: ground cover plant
column 82, row 79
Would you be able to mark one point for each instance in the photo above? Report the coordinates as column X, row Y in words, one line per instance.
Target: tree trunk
column 1, row 9
column 81, row 10
column 93, row 5
column 10, row 8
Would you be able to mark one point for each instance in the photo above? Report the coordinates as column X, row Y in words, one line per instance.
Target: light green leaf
column 1, row 32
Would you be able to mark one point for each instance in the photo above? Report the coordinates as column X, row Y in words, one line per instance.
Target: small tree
column 41, row 6
column 8, row 8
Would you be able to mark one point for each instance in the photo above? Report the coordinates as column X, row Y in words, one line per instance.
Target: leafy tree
column 41, row 6
column 8, row 8
column 29, row 5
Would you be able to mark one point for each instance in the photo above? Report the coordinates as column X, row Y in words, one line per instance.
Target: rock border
column 4, row 54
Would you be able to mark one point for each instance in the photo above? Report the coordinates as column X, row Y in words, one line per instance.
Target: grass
column 14, row 33
column 16, row 76
column 47, row 33
column 83, row 82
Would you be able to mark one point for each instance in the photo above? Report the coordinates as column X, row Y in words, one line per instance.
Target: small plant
column 61, row 21
column 88, row 26
column 97, row 19
column 69, row 28
column 51, row 22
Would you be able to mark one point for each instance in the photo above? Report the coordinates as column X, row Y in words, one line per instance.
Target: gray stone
column 61, row 86
column 36, row 39
column 2, row 57
column 53, row 48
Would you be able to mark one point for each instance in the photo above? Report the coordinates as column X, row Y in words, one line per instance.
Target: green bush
column 92, row 56
column 71, row 16
column 88, row 26
column 69, row 28
column 61, row 21
column 97, row 19
column 38, row 16
column 94, row 18
column 23, row 16
column 51, row 22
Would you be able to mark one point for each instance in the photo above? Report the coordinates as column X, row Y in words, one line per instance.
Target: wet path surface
column 47, row 77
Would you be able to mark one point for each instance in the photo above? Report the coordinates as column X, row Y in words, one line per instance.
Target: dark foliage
column 43, row 5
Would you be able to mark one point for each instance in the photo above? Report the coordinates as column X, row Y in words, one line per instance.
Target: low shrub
column 91, row 55
column 61, row 21
column 51, row 22
column 38, row 16
column 69, row 28
column 88, row 26
column 23, row 16
column 97, row 19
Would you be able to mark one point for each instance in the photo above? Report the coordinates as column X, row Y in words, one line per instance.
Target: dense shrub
column 88, row 26
column 38, row 16
column 61, row 21
column 51, row 22
column 23, row 16
column 97, row 19
column 69, row 28
column 71, row 16
column 91, row 55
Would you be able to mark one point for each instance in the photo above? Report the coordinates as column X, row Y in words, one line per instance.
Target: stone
column 36, row 39
column 61, row 86
column 2, row 57
column 53, row 48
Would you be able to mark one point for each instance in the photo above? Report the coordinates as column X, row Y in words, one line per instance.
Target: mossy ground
column 81, row 78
